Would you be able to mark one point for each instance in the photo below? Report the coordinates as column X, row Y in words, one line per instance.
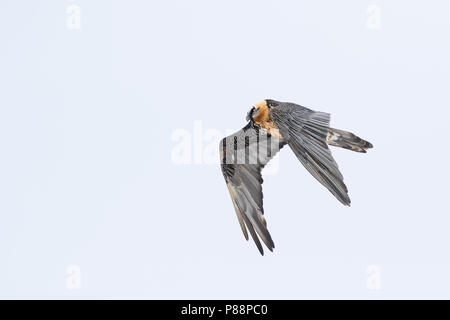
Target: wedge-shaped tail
column 347, row 140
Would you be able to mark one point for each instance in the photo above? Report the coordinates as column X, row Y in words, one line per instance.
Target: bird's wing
column 243, row 155
column 306, row 132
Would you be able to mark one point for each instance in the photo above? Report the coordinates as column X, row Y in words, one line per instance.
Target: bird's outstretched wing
column 306, row 133
column 243, row 155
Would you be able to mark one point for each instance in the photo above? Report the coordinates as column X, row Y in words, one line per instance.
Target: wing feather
column 306, row 132
column 239, row 213
column 244, row 154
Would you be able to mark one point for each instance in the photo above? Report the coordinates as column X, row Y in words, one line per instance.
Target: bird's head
column 260, row 111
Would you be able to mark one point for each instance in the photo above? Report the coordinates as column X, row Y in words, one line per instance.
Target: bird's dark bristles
column 249, row 116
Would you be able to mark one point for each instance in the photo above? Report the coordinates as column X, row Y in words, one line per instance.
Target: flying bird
column 272, row 125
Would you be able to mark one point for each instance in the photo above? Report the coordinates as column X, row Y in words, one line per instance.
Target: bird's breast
column 272, row 129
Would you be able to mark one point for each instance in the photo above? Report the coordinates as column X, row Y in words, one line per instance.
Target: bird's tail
column 347, row 140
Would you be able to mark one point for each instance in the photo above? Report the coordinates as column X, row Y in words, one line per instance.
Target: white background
column 88, row 181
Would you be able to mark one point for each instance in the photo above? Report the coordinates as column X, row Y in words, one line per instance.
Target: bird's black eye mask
column 250, row 114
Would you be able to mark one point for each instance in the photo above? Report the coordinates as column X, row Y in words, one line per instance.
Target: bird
column 271, row 125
